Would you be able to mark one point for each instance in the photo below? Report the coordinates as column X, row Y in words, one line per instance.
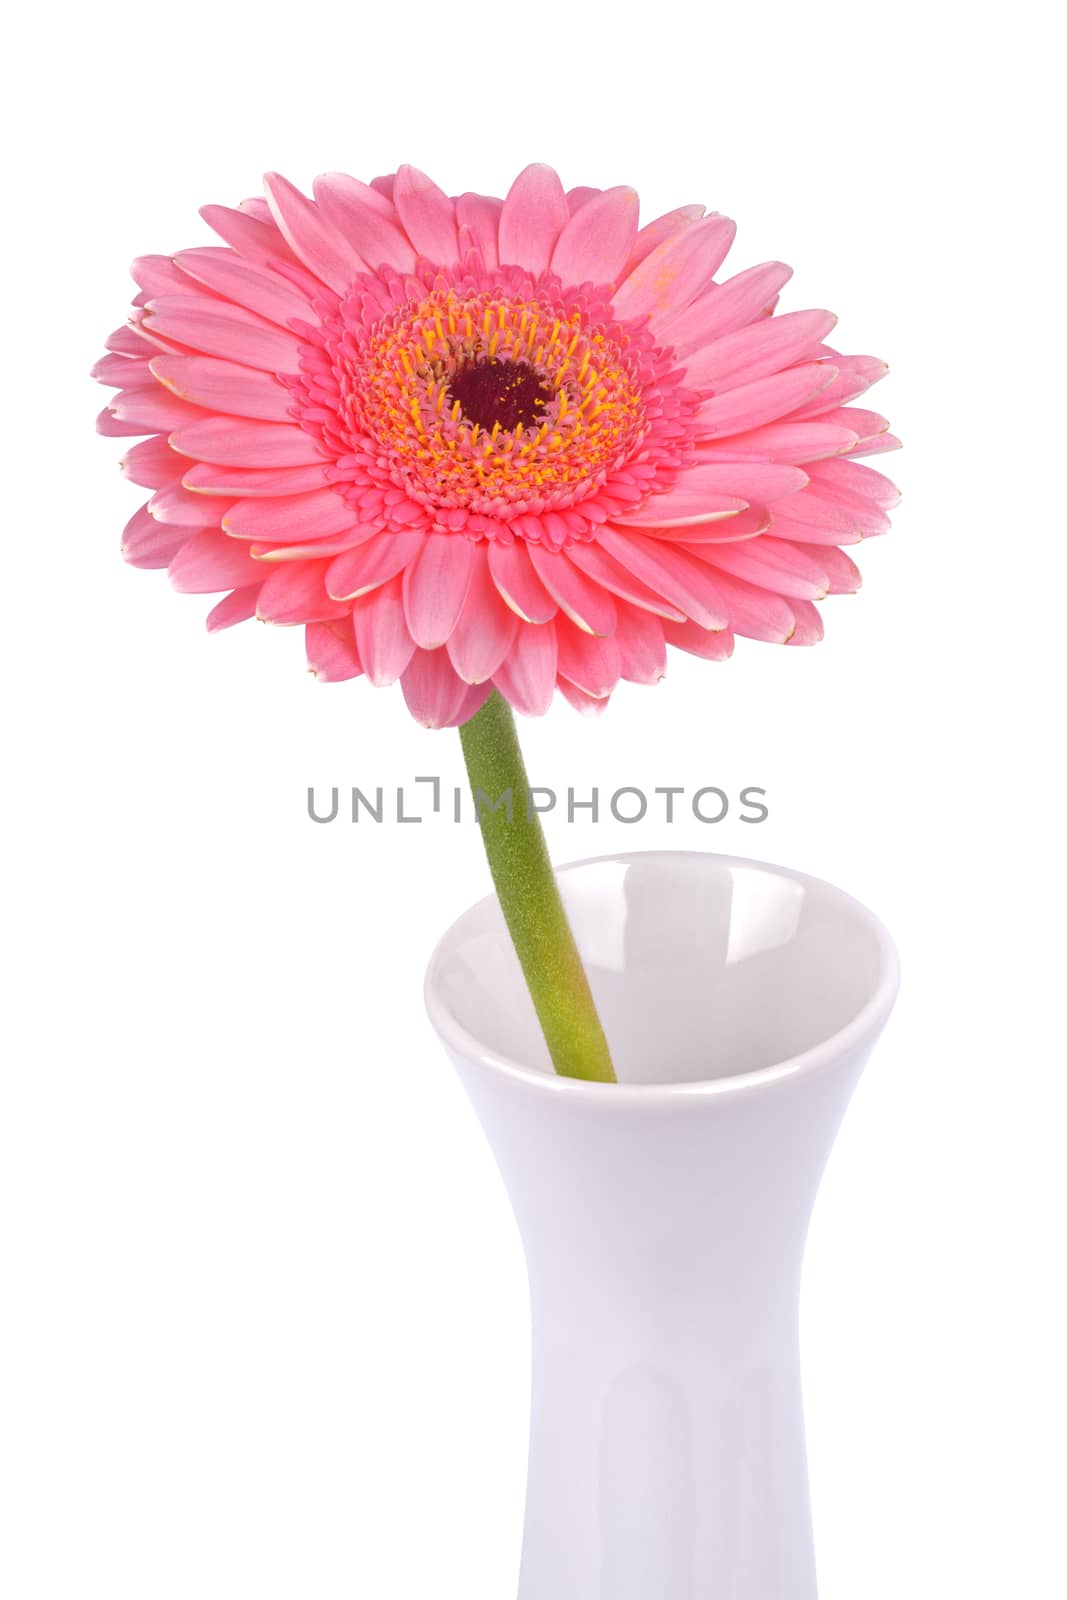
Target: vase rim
column 862, row 1028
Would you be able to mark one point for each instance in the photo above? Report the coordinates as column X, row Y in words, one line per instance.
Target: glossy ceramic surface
column 664, row 1218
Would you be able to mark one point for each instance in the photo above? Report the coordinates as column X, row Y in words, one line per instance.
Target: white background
column 264, row 1322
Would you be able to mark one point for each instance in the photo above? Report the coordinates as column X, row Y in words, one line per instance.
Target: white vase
column 664, row 1217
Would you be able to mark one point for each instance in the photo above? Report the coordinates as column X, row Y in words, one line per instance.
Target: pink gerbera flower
column 523, row 443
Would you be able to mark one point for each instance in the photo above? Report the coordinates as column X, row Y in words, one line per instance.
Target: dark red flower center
column 508, row 394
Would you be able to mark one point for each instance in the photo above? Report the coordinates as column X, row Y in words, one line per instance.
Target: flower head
column 469, row 442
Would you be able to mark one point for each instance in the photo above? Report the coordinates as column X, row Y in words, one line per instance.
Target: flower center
column 504, row 399
column 496, row 404
column 503, row 394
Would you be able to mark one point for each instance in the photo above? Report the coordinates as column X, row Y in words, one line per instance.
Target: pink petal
column 618, row 580
column 316, row 242
column 436, row 696
column 428, row 216
column 288, row 518
column 864, row 424
column 862, row 514
column 877, row 446
column 759, row 481
column 151, row 409
column 435, row 587
column 149, row 544
column 377, row 195
column 580, row 597
column 218, row 328
column 152, row 463
column 592, row 664
column 486, row 628
column 256, row 206
column 356, row 210
column 853, row 376
column 580, row 196
column 123, row 372
column 654, row 233
column 205, row 477
column 671, row 573
column 807, row 533
column 331, row 650
column 174, row 503
column 754, row 612
column 256, row 241
column 756, row 351
column 256, row 288
column 809, row 509
column 372, row 564
column 797, row 442
column 481, row 215
column 683, row 503
column 724, row 307
column 224, row 386
column 527, row 675
column 296, row 593
column 853, row 485
column 767, row 400
column 515, row 578
column 109, row 426
column 731, row 530
column 385, row 645
column 315, row 549
column 159, row 275
column 596, row 242
column 772, row 564
column 642, row 651
column 235, row 442
column 845, row 576
column 676, row 271
column 697, row 641
column 127, row 341
column 139, row 321
column 534, row 215
column 582, row 702
column 809, row 629
column 209, row 561
column 240, row 606
column 477, row 695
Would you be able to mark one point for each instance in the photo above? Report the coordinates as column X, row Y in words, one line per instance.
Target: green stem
column 529, row 896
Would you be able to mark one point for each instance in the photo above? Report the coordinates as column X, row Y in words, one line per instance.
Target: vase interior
column 703, row 967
